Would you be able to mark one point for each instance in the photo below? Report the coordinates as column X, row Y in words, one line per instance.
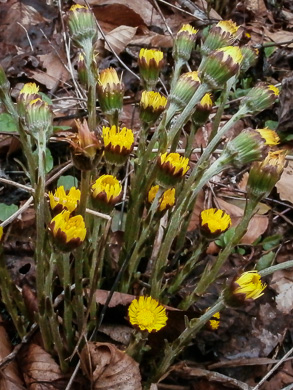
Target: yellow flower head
column 108, row 76
column 60, row 200
column 188, row 28
column 29, row 89
column 228, row 26
column 118, row 140
column 1, row 232
column 270, row 136
column 166, row 201
column 249, row 286
column 153, row 100
column 206, row 101
column 68, row 232
column 147, row 314
column 274, row 89
column 214, row 222
column 76, row 7
column 214, row 322
column 149, row 55
column 178, row 165
column 107, row 188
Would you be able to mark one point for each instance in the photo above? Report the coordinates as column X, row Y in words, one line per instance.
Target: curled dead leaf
column 40, row 371
column 109, row 368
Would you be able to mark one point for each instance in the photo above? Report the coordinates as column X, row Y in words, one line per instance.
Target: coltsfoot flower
column 220, row 66
column 166, row 201
column 184, row 42
column 106, row 192
column 147, row 314
column 68, row 232
column 118, row 144
column 29, row 92
column 248, row 286
column 172, row 167
column 260, row 97
column 86, row 147
column 39, row 117
column 152, row 104
column 214, row 222
column 110, row 91
column 264, row 175
column 82, row 26
column 222, row 34
column 203, row 110
column 150, row 63
column 184, row 89
column 214, row 322
column 270, row 136
column 60, row 201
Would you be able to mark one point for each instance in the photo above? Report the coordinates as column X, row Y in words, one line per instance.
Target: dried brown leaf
column 10, row 378
column 282, row 283
column 55, row 71
column 119, row 38
column 257, row 225
column 284, row 185
column 280, row 36
column 109, row 368
column 40, row 370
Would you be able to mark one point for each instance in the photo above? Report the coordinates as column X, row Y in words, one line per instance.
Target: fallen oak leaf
column 109, row 368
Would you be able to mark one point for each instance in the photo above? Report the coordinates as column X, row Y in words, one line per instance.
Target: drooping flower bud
column 68, row 232
column 39, row 117
column 214, row 222
column 264, row 175
column 260, row 97
column 118, row 143
column 246, row 288
column 86, row 147
column 222, row 34
column 152, row 104
column 184, row 42
column 220, row 66
column 110, row 92
column 106, row 192
column 150, row 63
column 172, row 167
column 202, row 111
column 184, row 89
column 82, row 26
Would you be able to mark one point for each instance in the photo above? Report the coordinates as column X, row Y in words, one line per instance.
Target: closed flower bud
column 264, row 175
column 184, row 42
column 222, row 34
column 68, row 232
column 82, row 26
column 152, row 104
column 250, row 55
column 150, row 63
column 172, row 167
column 106, row 192
column 82, row 70
column 39, row 117
column 61, row 200
column 247, row 147
column 214, row 222
column 246, row 288
column 166, row 201
column 86, row 148
column 183, row 91
column 260, row 98
column 118, row 143
column 220, row 66
column 202, row 111
column 110, row 91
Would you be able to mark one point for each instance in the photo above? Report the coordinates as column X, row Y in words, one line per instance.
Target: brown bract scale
column 119, row 150
column 170, row 169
